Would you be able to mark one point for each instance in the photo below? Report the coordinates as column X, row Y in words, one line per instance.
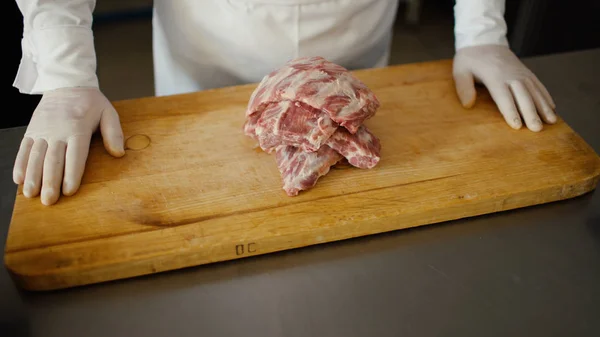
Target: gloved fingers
column 76, row 156
column 54, row 164
column 526, row 106
column 465, row 88
column 21, row 160
column 35, row 164
column 543, row 106
column 504, row 100
column 112, row 134
column 544, row 91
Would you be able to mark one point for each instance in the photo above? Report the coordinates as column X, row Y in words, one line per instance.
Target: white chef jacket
column 199, row 45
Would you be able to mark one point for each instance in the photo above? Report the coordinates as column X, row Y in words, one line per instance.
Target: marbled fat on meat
column 320, row 84
column 294, row 124
column 310, row 113
column 360, row 149
column 300, row 170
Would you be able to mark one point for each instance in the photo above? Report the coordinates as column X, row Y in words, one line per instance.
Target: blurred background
column 423, row 32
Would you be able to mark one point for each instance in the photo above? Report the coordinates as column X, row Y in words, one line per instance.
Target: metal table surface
column 533, row 271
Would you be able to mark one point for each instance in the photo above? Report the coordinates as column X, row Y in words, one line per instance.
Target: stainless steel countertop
column 529, row 272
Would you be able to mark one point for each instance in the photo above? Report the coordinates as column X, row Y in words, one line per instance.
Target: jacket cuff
column 479, row 22
column 55, row 58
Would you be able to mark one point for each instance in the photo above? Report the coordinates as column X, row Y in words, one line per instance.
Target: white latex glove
column 55, row 147
column 511, row 84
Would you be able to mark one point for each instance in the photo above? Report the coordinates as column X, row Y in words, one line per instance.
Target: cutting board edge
column 445, row 63
column 62, row 279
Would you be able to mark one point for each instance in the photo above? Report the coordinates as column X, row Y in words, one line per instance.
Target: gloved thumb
column 112, row 134
column 465, row 88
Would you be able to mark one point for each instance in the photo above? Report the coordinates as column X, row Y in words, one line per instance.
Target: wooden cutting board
column 192, row 189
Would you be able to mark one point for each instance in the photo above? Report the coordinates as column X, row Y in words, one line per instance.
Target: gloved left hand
column 518, row 93
column 55, row 147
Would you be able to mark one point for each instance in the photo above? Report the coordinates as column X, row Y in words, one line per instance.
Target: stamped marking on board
column 137, row 142
column 244, row 249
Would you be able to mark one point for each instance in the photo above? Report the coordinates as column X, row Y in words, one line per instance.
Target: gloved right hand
column 518, row 93
column 55, row 147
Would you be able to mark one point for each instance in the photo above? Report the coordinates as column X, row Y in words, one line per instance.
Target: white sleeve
column 57, row 45
column 478, row 22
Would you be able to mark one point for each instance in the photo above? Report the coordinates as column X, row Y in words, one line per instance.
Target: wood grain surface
column 192, row 189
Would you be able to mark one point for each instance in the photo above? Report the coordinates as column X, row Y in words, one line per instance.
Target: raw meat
column 320, row 84
column 250, row 126
column 300, row 170
column 361, row 149
column 310, row 113
column 294, row 124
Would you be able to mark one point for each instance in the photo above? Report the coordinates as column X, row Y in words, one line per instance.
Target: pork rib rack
column 310, row 113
